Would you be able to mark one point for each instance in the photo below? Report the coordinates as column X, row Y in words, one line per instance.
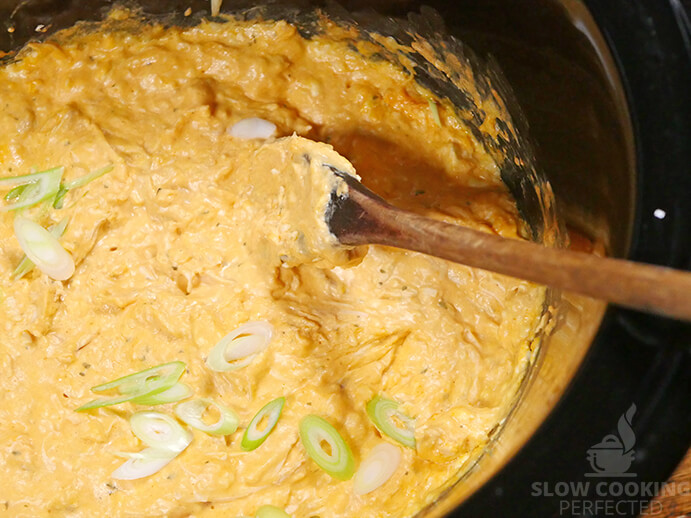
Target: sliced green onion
column 16, row 192
column 26, row 179
column 59, row 197
column 191, row 412
column 79, row 182
column 43, row 249
column 26, row 265
column 386, row 417
column 37, row 187
column 90, row 177
column 317, row 435
column 160, row 431
column 176, row 393
column 29, row 192
column 144, row 463
column 435, row 112
column 157, row 375
column 238, row 348
column 271, row 511
column 60, row 227
column 146, row 453
column 144, row 383
column 253, row 438
column 98, row 403
column 252, row 128
column 379, row 466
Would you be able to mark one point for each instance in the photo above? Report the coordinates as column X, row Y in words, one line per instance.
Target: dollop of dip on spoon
column 286, row 187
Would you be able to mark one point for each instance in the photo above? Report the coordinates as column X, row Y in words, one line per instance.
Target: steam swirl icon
column 612, row 456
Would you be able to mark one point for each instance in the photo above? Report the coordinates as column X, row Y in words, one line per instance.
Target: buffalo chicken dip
column 181, row 334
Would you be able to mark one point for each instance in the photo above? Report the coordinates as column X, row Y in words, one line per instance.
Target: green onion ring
column 43, row 249
column 143, row 464
column 381, row 412
column 90, row 177
column 16, row 192
column 37, row 187
column 176, row 393
column 379, row 466
column 79, row 182
column 141, row 380
column 59, row 199
column 253, row 438
column 435, row 112
column 144, row 383
column 26, row 265
column 238, row 348
column 191, row 413
column 339, row 462
column 252, row 128
column 160, row 431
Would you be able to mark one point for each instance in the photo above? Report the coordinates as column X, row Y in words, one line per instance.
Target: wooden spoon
column 361, row 217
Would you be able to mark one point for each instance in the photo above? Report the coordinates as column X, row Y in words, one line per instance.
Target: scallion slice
column 271, row 511
column 144, row 383
column 252, row 128
column 381, row 463
column 191, row 412
column 16, row 192
column 90, row 177
column 26, row 265
column 435, row 112
column 386, row 417
column 176, row 393
column 79, row 182
column 238, row 348
column 160, row 431
column 37, row 187
column 165, row 374
column 326, row 447
column 59, row 197
column 253, row 438
column 43, row 249
column 143, row 464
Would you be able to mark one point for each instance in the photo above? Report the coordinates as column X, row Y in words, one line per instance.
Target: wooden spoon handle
column 650, row 288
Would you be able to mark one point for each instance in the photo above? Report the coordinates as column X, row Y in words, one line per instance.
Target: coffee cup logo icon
column 613, row 456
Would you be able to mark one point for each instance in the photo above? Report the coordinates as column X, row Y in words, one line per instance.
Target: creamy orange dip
column 173, row 251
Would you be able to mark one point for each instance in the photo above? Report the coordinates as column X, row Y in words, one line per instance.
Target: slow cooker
column 603, row 86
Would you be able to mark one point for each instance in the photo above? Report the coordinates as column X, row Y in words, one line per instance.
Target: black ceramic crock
column 634, row 358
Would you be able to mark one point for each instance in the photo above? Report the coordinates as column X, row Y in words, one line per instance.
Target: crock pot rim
column 620, row 369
